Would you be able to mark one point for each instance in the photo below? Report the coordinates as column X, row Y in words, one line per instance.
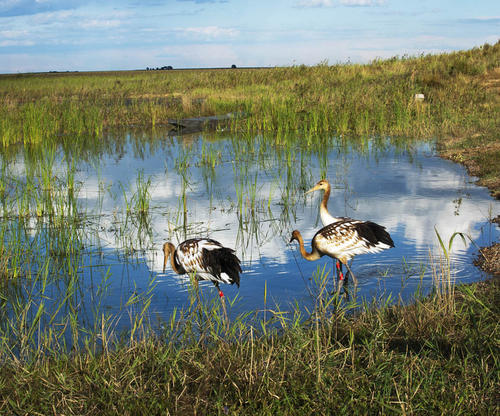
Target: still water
column 249, row 194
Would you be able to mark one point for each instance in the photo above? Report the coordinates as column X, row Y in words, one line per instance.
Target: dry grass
column 479, row 149
column 489, row 259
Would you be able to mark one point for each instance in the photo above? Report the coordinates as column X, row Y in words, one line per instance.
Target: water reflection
column 248, row 193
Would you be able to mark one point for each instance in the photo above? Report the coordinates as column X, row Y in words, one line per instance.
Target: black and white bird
column 343, row 238
column 206, row 258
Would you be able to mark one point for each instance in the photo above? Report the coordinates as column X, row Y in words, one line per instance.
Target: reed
column 442, row 270
column 142, row 196
column 382, row 358
column 344, row 355
column 460, row 107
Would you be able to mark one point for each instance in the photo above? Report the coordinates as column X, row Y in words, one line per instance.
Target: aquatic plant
column 339, row 356
column 340, row 99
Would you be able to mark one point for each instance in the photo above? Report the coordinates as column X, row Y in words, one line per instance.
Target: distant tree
column 233, row 66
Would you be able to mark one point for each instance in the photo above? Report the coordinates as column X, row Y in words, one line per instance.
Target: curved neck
column 313, row 255
column 324, row 202
column 326, row 196
column 326, row 217
column 169, row 252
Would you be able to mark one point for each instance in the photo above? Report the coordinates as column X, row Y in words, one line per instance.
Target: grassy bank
column 461, row 103
column 437, row 356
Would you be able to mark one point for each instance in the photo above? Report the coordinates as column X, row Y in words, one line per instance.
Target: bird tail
column 225, row 261
column 378, row 235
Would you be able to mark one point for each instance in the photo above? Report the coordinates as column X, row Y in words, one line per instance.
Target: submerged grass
column 422, row 358
column 438, row 355
column 460, row 107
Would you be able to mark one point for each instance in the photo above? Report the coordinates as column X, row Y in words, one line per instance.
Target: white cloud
column 330, row 3
column 10, row 38
column 315, row 3
column 100, row 24
column 5, row 43
column 13, row 34
column 486, row 18
column 362, row 3
column 210, row 32
column 482, row 20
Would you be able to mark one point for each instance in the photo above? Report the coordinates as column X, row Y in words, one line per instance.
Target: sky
column 78, row 35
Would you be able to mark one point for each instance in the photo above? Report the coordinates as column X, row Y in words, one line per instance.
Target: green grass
column 432, row 357
column 461, row 105
column 438, row 355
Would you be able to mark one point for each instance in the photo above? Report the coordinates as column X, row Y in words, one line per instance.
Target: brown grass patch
column 489, row 259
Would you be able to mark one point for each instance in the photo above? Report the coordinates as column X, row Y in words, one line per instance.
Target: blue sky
column 44, row 35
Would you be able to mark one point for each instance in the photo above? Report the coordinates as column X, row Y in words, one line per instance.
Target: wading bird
column 344, row 239
column 205, row 258
column 350, row 237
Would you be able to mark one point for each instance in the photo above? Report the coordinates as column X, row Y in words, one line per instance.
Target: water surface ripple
column 249, row 195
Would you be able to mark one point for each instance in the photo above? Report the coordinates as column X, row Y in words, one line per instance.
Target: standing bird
column 326, row 217
column 207, row 258
column 352, row 236
column 344, row 239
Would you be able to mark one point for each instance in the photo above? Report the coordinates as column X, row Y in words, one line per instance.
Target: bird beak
column 314, row 188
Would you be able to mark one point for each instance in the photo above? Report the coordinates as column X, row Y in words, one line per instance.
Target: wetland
column 85, row 235
column 94, row 180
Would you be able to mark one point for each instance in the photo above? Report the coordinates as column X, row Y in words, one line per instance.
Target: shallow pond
column 249, row 194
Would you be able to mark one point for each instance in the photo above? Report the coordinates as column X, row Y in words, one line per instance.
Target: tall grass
column 381, row 359
column 342, row 98
column 460, row 106
column 341, row 356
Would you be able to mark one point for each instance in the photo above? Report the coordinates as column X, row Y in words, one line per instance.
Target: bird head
column 322, row 184
column 295, row 235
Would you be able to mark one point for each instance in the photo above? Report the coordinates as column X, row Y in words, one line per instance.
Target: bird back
column 210, row 260
column 347, row 238
column 222, row 260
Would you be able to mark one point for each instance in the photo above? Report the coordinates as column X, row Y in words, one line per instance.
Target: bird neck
column 169, row 253
column 324, row 202
column 313, row 255
column 326, row 217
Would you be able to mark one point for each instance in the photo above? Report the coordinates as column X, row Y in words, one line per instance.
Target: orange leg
column 222, row 300
column 340, row 276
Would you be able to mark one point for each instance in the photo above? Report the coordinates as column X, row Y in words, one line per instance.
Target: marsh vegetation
column 92, row 184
